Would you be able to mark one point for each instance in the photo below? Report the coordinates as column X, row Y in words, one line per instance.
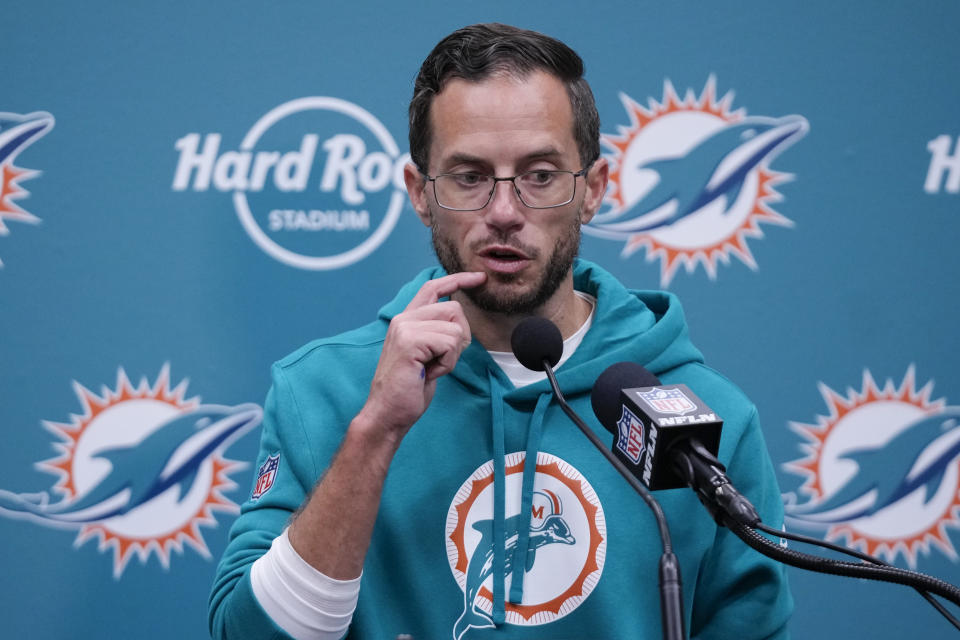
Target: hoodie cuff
column 302, row 601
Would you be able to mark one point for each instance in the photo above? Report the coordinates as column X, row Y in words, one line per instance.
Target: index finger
column 433, row 290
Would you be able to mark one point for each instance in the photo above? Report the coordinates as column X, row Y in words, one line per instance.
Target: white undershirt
column 520, row 376
column 308, row 604
column 302, row 601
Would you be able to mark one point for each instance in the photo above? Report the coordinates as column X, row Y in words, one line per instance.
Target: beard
column 524, row 302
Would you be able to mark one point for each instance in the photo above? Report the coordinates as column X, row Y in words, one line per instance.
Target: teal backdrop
column 192, row 190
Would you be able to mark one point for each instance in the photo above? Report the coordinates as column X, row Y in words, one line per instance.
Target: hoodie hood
column 646, row 327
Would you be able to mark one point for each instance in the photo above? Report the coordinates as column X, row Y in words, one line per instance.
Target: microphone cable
column 884, row 573
column 744, row 523
column 796, row 537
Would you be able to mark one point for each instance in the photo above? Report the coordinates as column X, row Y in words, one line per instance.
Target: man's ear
column 596, row 181
column 417, row 190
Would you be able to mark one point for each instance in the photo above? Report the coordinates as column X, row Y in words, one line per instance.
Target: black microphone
column 647, row 419
column 538, row 345
column 668, row 437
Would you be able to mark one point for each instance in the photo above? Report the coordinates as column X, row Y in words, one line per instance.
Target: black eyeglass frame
column 512, row 179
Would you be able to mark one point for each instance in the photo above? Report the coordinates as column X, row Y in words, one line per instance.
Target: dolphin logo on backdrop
column 140, row 470
column 690, row 180
column 17, row 132
column 566, row 552
column 882, row 470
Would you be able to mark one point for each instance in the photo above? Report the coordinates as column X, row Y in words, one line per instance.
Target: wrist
column 377, row 431
column 373, row 441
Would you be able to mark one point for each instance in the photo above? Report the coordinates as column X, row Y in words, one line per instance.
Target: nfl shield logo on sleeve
column 266, row 474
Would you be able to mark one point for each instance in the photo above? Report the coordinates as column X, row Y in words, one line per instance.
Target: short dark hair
column 480, row 51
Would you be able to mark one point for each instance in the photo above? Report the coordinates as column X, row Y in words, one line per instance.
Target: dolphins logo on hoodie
column 564, row 554
column 883, row 470
column 691, row 180
column 553, row 530
column 17, row 132
column 141, row 469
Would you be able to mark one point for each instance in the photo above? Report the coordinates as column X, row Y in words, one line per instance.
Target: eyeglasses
column 474, row 191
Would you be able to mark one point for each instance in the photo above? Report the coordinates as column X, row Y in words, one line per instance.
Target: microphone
column 648, row 419
column 538, row 345
column 667, row 437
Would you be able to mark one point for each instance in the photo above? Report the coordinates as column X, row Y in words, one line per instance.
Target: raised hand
column 422, row 344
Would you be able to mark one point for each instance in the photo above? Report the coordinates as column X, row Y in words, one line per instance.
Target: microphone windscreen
column 605, row 396
column 534, row 340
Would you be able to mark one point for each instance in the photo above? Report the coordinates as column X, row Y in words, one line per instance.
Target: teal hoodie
column 564, row 546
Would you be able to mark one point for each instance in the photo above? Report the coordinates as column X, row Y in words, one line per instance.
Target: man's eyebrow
column 465, row 158
column 546, row 152
column 539, row 154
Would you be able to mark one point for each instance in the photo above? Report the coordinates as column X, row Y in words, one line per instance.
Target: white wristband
column 302, row 601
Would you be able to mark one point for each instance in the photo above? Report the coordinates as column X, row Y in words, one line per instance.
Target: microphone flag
column 652, row 420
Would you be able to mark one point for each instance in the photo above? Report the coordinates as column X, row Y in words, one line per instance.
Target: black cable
column 706, row 476
column 848, row 569
column 856, row 554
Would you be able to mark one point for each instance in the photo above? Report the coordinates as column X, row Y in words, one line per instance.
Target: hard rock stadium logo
column 566, row 548
column 140, row 469
column 881, row 470
column 17, row 132
column 317, row 182
column 691, row 180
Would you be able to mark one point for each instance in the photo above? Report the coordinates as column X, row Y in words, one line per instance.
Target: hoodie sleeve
column 741, row 593
column 234, row 611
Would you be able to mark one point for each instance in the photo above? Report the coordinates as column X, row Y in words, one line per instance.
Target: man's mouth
column 504, row 259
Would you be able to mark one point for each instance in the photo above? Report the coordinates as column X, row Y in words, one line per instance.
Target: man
column 400, row 448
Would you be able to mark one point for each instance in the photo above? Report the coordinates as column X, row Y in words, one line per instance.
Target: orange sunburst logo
column 140, row 469
column 881, row 470
column 690, row 180
column 17, row 132
column 10, row 190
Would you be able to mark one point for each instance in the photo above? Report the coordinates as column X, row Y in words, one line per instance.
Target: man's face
column 504, row 126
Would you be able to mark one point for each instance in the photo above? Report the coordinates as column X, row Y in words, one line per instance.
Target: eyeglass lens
column 538, row 189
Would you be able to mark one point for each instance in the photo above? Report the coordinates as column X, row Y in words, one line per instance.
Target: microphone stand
column 671, row 590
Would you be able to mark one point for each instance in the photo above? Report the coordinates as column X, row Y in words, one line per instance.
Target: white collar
column 520, row 376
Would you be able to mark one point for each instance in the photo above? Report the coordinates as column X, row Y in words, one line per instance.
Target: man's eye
column 469, row 179
column 539, row 178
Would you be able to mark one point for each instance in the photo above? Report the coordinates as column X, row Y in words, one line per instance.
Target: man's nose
column 505, row 209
